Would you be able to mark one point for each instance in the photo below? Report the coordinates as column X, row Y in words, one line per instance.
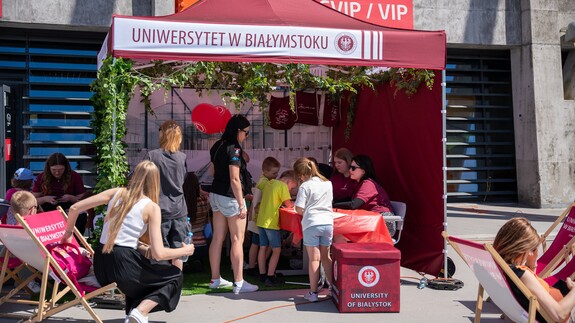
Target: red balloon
column 224, row 115
column 205, row 118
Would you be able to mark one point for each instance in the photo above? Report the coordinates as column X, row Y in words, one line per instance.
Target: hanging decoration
column 241, row 83
column 281, row 115
column 307, row 108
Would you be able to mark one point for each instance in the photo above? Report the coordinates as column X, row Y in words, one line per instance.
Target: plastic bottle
column 422, row 283
column 188, row 239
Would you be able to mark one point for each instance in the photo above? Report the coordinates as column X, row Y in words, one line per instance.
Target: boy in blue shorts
column 275, row 193
column 270, row 170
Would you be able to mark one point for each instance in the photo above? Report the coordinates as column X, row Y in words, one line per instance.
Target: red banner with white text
column 388, row 13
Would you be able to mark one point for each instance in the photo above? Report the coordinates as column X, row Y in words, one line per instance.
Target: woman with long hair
column 369, row 194
column 343, row 184
column 314, row 199
column 517, row 242
column 173, row 169
column 133, row 211
column 227, row 201
column 60, row 186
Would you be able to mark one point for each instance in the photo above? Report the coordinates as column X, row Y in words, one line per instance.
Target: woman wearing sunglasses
column 228, row 204
column 369, row 195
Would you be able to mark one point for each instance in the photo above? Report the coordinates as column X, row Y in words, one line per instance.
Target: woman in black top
column 227, row 201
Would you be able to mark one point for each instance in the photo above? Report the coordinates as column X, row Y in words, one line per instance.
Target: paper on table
column 338, row 215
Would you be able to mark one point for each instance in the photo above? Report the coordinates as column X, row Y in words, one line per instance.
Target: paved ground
column 471, row 221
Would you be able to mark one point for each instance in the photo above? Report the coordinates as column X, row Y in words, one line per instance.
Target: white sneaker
column 136, row 316
column 220, row 283
column 34, row 287
column 245, row 288
column 312, row 297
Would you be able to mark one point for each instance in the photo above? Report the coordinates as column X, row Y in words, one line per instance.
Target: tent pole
column 444, row 141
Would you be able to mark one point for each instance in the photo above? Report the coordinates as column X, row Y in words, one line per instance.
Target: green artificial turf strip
column 198, row 282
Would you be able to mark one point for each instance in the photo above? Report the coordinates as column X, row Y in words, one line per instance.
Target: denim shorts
column 270, row 237
column 255, row 239
column 228, row 206
column 174, row 231
column 318, row 235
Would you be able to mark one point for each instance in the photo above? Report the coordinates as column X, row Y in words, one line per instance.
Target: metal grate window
column 52, row 72
column 480, row 140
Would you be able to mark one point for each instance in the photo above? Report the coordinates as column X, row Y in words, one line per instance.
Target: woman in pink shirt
column 369, row 195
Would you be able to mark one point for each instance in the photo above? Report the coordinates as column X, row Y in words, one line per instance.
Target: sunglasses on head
column 353, row 167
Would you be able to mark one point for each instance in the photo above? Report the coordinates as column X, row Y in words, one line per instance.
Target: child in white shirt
column 314, row 201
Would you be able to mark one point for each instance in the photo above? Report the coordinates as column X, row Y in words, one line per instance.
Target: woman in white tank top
column 149, row 285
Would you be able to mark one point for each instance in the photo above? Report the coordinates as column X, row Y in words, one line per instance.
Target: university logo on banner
column 368, row 276
column 345, row 43
column 388, row 13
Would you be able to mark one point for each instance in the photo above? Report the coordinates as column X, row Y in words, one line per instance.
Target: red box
column 366, row 277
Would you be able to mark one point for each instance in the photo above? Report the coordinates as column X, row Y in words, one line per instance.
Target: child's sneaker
column 245, row 287
column 219, row 283
column 311, row 297
column 273, row 281
column 252, row 272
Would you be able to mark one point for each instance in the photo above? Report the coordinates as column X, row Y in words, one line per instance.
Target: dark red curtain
column 403, row 137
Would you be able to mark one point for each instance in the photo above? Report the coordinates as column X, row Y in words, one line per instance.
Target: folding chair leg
column 479, row 305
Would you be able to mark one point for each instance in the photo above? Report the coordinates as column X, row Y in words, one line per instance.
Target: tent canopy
column 275, row 31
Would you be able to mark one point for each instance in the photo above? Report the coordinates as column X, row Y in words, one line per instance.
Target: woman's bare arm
column 152, row 214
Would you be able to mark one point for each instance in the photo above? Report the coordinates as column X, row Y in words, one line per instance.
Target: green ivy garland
column 239, row 83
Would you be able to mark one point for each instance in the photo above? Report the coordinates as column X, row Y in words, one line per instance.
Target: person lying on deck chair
column 517, row 242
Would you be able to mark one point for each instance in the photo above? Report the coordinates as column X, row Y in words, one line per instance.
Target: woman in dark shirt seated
column 369, row 194
column 60, row 186
column 517, row 242
column 341, row 181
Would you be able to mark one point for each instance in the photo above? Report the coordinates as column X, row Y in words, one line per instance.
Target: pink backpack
column 71, row 260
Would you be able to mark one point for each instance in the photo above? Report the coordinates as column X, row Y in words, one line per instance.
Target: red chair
column 561, row 248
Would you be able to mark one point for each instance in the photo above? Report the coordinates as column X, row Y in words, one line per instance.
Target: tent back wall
column 403, row 137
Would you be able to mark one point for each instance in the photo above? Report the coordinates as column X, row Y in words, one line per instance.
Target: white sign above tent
column 219, row 39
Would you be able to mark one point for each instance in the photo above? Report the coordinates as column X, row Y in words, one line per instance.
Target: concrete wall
column 90, row 14
column 471, row 23
column 544, row 120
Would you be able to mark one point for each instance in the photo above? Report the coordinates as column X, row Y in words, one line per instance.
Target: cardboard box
column 366, row 277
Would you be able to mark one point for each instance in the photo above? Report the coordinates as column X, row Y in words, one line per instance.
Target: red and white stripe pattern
column 372, row 42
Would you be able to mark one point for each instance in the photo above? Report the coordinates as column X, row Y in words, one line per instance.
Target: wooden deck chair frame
column 534, row 306
column 559, row 219
column 563, row 251
column 49, row 307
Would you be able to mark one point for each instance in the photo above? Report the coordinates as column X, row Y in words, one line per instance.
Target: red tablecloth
column 357, row 225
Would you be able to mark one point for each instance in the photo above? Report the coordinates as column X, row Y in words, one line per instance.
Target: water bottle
column 422, row 283
column 188, row 239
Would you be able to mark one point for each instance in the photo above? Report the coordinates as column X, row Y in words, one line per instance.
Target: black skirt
column 139, row 278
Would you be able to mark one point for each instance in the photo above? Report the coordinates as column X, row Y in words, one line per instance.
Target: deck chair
column 560, row 249
column 29, row 242
column 399, row 209
column 490, row 270
column 11, row 265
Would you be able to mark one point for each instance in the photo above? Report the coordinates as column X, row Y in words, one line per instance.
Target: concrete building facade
column 529, row 35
